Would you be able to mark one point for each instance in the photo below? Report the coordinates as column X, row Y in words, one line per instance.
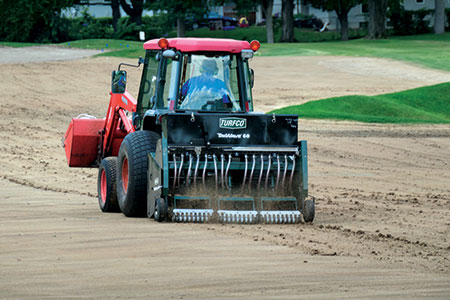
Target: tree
column 377, row 19
column 115, row 6
column 287, row 18
column 31, row 20
column 439, row 16
column 180, row 10
column 244, row 7
column 304, row 8
column 341, row 7
column 134, row 10
column 267, row 6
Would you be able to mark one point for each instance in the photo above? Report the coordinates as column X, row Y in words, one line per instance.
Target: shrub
column 407, row 22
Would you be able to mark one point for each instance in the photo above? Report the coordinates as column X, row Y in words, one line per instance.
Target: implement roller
column 191, row 148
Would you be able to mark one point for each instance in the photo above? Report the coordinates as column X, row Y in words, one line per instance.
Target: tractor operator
column 198, row 91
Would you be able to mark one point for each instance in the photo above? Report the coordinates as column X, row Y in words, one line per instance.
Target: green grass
column 259, row 33
column 428, row 50
column 17, row 45
column 429, row 104
column 118, row 48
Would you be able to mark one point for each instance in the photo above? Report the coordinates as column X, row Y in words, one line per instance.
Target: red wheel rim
column 125, row 174
column 103, row 187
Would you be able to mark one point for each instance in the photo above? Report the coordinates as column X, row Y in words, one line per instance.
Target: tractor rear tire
column 132, row 167
column 308, row 210
column 106, row 185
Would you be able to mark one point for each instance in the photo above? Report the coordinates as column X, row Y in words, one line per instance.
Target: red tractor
column 191, row 148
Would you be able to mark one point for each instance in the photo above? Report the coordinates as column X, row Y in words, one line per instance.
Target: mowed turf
column 429, row 50
column 429, row 104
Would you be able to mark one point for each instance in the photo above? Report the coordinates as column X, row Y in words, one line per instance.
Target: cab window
column 209, row 83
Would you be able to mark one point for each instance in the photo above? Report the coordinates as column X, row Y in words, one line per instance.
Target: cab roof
column 201, row 45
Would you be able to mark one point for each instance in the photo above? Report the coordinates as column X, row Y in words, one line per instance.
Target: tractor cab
column 196, row 75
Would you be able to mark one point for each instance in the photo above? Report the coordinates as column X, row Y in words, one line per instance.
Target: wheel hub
column 125, row 174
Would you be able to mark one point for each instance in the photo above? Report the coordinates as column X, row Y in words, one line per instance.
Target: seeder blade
column 246, row 215
column 280, row 216
column 200, row 215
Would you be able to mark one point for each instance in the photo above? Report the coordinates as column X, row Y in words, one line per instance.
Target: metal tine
column 226, row 172
column 278, row 172
column 204, row 171
column 285, row 171
column 174, row 171
column 251, row 174
column 215, row 170
column 189, row 170
column 268, row 172
column 292, row 172
column 196, row 170
column 181, row 167
column 245, row 173
column 222, row 165
column 261, row 173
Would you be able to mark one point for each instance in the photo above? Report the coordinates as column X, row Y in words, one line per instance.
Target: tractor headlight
column 246, row 54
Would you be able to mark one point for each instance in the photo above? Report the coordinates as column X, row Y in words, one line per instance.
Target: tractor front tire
column 132, row 167
column 106, row 185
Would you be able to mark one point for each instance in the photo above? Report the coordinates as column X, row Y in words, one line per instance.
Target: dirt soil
column 382, row 227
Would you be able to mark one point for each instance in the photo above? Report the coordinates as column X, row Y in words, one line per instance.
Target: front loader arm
column 117, row 125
